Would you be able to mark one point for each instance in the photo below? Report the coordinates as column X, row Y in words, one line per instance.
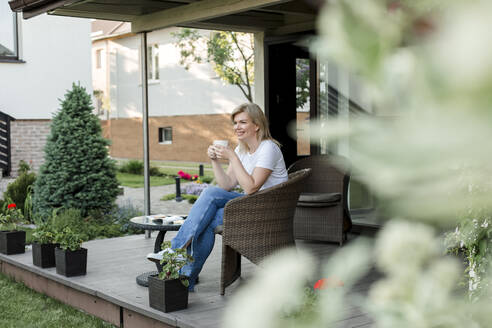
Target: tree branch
column 245, row 60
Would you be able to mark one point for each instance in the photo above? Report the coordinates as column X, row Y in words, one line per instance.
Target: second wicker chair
column 322, row 211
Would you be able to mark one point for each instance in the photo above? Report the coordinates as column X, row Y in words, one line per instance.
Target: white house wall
column 56, row 51
column 196, row 91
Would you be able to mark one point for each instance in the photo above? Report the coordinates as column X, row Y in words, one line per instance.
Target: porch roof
column 276, row 17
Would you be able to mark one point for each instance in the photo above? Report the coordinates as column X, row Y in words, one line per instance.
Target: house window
column 153, row 62
column 98, row 58
column 166, row 135
column 9, row 33
column 98, row 101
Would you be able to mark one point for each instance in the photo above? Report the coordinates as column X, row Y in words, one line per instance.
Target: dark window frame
column 15, row 58
column 165, row 135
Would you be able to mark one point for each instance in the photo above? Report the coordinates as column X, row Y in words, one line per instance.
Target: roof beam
column 250, row 22
column 195, row 12
column 294, row 28
column 86, row 14
column 292, row 8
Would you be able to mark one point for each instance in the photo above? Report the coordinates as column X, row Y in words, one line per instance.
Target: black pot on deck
column 43, row 255
column 12, row 242
column 71, row 263
column 167, row 295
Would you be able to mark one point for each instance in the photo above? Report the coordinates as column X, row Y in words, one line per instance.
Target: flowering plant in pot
column 12, row 241
column 43, row 246
column 168, row 291
column 70, row 256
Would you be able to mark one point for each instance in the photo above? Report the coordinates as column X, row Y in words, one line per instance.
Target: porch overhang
column 271, row 16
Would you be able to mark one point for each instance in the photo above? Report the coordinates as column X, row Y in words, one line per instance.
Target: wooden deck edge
column 117, row 312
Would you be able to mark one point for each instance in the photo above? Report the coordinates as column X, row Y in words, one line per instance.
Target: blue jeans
column 205, row 215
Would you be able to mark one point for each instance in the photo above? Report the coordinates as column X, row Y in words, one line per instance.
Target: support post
column 145, row 124
column 178, row 189
column 200, row 170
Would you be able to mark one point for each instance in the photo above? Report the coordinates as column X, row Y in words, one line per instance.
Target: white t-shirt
column 268, row 156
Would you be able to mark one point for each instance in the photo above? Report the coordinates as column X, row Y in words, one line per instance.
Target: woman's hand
column 222, row 152
column 211, row 153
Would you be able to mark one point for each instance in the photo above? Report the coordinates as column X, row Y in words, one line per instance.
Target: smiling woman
column 257, row 163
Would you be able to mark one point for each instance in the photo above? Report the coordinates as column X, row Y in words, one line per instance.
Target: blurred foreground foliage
column 423, row 63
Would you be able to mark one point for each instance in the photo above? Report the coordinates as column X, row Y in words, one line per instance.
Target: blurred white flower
column 429, row 64
column 276, row 289
column 403, row 247
column 461, row 51
column 373, row 33
column 418, row 286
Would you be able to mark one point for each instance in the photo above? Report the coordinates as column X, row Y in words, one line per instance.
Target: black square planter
column 71, row 263
column 12, row 242
column 167, row 295
column 43, row 255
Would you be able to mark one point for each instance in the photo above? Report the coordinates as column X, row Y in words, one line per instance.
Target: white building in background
column 187, row 108
column 40, row 58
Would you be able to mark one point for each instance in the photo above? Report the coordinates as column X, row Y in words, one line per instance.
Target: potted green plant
column 43, row 246
column 12, row 241
column 168, row 291
column 70, row 256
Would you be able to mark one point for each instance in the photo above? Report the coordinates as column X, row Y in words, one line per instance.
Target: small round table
column 151, row 223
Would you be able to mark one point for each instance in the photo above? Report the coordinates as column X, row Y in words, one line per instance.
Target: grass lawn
column 137, row 181
column 23, row 307
column 182, row 165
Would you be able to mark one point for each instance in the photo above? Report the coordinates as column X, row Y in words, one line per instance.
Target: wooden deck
column 109, row 289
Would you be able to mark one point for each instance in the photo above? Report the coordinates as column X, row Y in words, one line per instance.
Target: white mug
column 223, row 143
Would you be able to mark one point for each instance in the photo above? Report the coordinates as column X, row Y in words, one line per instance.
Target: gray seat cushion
column 325, row 199
column 321, row 197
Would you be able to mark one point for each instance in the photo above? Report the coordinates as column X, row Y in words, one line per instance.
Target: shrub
column 137, row 167
column 168, row 197
column 207, row 179
column 190, row 198
column 24, row 167
column 154, row 171
column 28, row 205
column 63, row 218
column 121, row 216
column 133, row 167
column 77, row 172
column 17, row 191
column 97, row 224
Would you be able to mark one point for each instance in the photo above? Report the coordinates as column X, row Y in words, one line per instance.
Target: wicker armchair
column 257, row 225
column 322, row 210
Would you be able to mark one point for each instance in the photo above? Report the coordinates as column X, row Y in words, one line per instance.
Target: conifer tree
column 77, row 172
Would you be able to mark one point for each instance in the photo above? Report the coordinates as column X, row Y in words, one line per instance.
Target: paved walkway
column 135, row 196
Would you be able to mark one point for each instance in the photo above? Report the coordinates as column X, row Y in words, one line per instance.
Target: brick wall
column 191, row 136
column 28, row 138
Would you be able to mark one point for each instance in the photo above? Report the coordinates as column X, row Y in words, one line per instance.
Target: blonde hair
column 259, row 119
